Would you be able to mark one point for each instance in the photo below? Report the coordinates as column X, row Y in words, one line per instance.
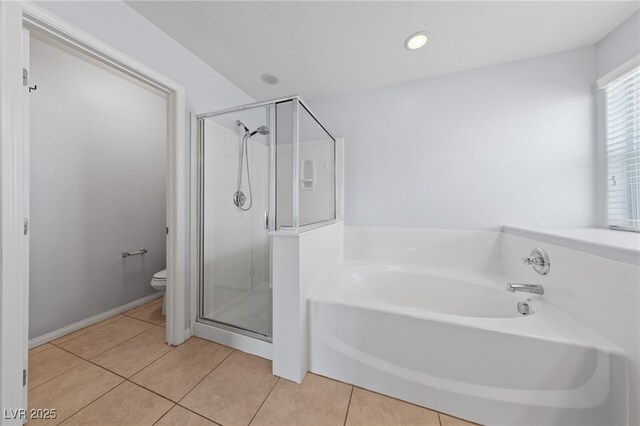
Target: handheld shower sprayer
column 239, row 198
column 241, row 124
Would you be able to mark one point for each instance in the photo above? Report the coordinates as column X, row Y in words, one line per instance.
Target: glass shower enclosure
column 263, row 167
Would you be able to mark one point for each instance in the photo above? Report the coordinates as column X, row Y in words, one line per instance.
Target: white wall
column 98, row 173
column 512, row 143
column 301, row 262
column 615, row 49
column 120, row 26
column 479, row 251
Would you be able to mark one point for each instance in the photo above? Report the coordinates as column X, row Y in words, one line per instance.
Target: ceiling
column 322, row 48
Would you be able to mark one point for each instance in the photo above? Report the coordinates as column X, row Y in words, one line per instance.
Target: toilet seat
column 160, row 276
column 159, row 282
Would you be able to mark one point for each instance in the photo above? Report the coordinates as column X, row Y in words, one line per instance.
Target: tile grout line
column 265, row 400
column 120, row 375
column 72, row 368
column 157, row 359
column 90, row 331
column 116, row 386
column 106, row 369
column 59, row 374
column 139, row 319
column 92, row 401
column 48, row 380
column 349, row 406
column 440, row 413
column 391, row 397
column 90, row 361
column 199, row 415
column 127, row 379
column 206, row 375
column 55, row 345
column 162, row 416
column 137, row 371
column 42, row 351
column 165, row 413
column 151, row 390
column 106, row 350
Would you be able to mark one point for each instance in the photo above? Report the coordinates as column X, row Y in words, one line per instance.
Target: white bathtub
column 454, row 341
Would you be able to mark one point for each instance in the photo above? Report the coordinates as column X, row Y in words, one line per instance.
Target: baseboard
column 236, row 341
column 45, row 338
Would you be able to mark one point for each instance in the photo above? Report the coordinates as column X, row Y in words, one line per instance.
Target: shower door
column 236, row 159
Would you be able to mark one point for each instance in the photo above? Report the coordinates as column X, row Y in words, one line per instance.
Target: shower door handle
column 266, row 220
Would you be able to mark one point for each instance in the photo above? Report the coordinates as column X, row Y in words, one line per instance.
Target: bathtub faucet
column 526, row 288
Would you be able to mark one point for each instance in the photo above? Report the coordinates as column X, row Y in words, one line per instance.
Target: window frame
column 604, row 83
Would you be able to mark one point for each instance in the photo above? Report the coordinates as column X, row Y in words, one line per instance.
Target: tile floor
column 120, row 372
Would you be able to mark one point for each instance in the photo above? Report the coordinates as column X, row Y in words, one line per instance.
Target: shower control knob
column 539, row 259
column 532, row 260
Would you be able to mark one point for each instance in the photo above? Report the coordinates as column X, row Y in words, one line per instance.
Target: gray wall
column 98, row 173
column 506, row 144
column 120, row 26
column 615, row 49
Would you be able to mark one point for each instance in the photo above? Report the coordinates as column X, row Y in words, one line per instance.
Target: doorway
column 14, row 113
column 97, row 188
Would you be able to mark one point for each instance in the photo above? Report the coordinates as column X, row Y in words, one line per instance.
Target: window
column 623, row 150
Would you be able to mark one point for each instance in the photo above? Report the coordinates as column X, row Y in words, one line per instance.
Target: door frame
column 243, row 340
column 14, row 303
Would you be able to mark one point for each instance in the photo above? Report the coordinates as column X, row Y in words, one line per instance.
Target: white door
column 26, row 172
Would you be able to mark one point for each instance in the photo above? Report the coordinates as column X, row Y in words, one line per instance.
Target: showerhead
column 263, row 130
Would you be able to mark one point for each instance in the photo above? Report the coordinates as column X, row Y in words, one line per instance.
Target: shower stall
column 263, row 168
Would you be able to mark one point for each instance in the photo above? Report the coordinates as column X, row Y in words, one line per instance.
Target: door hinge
column 25, row 77
column 26, row 226
column 24, row 377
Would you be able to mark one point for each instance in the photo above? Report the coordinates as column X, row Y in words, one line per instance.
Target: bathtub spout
column 526, row 288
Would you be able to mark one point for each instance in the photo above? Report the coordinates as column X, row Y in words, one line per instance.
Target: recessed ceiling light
column 269, row 78
column 416, row 40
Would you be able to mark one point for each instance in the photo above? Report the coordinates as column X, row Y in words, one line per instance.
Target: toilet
column 159, row 282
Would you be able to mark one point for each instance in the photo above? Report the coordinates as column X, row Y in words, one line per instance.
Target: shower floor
column 250, row 311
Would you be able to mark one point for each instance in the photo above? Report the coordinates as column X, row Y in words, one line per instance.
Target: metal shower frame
column 297, row 104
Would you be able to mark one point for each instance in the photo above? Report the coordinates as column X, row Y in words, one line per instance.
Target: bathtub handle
column 539, row 259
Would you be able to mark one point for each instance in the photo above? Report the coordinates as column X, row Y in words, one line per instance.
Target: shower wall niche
column 263, row 167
